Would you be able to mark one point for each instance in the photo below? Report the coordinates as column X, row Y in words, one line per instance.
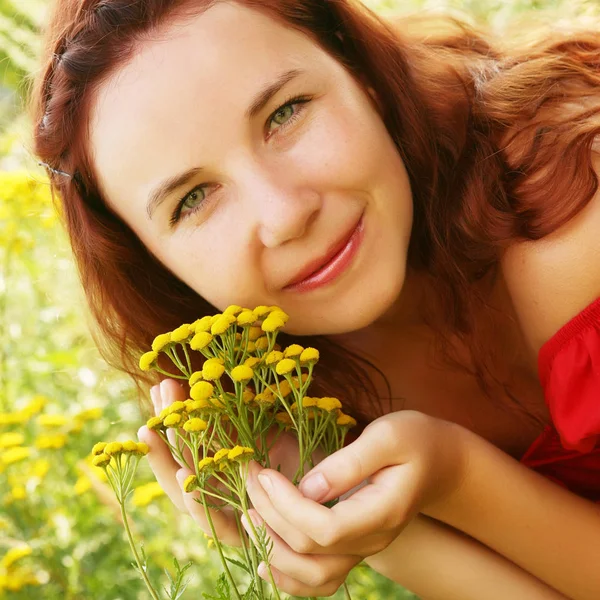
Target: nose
column 284, row 207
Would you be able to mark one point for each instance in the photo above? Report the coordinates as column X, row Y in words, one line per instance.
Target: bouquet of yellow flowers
column 249, row 392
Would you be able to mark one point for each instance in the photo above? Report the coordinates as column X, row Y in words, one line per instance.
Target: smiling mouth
column 333, row 264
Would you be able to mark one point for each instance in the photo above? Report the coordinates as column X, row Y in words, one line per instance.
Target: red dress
column 568, row 450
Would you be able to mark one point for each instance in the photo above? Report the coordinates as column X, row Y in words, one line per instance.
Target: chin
column 354, row 311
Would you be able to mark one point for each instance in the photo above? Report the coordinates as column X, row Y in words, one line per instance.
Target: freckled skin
column 281, row 189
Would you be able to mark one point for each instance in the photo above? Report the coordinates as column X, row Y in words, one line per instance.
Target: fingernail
column 266, row 483
column 154, row 391
column 164, row 393
column 181, row 475
column 314, row 487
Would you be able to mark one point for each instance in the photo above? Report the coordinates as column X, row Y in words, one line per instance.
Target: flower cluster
column 248, row 393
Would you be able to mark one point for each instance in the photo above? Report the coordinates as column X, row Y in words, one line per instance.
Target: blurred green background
column 60, row 532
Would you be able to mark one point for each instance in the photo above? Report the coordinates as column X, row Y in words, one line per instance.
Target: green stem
column 347, row 592
column 218, row 547
column 135, row 554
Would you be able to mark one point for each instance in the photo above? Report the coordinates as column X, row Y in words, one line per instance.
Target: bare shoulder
column 553, row 279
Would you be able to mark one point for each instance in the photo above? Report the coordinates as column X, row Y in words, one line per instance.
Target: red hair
column 497, row 146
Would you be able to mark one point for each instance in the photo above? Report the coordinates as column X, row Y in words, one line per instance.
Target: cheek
column 339, row 149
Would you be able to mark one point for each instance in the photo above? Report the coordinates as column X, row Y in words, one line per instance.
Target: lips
column 318, row 264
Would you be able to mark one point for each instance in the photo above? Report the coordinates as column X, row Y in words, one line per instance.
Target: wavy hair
column 497, row 145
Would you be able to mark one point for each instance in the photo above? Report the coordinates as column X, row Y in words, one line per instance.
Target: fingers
column 362, row 524
column 223, row 520
column 302, row 574
column 348, row 467
column 163, row 466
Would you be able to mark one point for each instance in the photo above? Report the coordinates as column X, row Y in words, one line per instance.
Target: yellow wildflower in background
column 15, row 554
column 213, row 369
column 16, row 454
column 242, row 373
column 13, row 438
column 54, row 441
column 145, row 494
column 329, row 404
column 293, row 351
column 201, row 340
column 202, row 390
column 52, row 420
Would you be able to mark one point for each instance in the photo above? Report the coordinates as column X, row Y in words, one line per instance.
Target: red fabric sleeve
column 569, row 369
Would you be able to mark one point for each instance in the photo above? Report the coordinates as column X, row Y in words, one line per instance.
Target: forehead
column 180, row 90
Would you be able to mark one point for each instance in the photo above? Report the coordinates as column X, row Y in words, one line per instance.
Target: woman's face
column 278, row 158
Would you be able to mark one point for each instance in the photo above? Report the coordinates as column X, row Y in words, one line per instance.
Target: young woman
column 425, row 208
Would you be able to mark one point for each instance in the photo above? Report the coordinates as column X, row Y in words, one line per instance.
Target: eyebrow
column 165, row 188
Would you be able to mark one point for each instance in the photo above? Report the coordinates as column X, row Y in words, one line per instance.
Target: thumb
column 347, row 468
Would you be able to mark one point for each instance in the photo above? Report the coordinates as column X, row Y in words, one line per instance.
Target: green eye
column 194, row 198
column 283, row 114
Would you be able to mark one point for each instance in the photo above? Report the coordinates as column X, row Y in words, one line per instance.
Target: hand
column 405, row 460
column 170, row 474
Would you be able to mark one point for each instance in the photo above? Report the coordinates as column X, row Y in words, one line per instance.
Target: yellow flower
column 273, row 357
column 329, row 404
column 309, row 355
column 202, row 390
column 19, row 492
column 308, row 402
column 212, row 369
column 233, row 310
column 12, row 438
column 182, row 333
column 40, row 468
column 293, row 351
column 252, row 361
column 247, row 396
column 172, row 420
column 285, row 366
column 89, row 414
column 142, row 448
column 195, row 425
column 16, row 454
column 160, row 341
column 15, row 554
column 345, row 421
column 101, row 460
column 36, row 404
column 82, row 485
column 262, row 343
column 242, row 373
column 246, row 317
column 56, row 441
column 261, row 311
column 201, row 340
column 222, row 324
column 271, row 324
column 98, row 448
column 147, row 360
column 277, row 313
column 205, row 463
column 265, row 397
column 195, row 378
column 221, row 454
column 113, row 448
column 283, row 418
column 254, row 333
column 52, row 420
column 130, row 446
column 154, row 423
column 202, row 325
column 240, row 452
column 146, row 493
column 175, row 407
column 190, row 484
